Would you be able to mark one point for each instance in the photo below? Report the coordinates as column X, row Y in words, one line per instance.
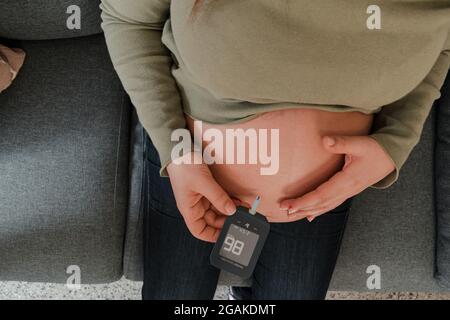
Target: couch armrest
column 133, row 253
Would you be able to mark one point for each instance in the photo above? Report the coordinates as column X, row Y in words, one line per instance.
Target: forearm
column 133, row 36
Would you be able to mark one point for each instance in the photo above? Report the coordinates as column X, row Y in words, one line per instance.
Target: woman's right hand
column 201, row 200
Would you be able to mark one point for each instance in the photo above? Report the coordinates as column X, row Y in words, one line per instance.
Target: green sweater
column 235, row 59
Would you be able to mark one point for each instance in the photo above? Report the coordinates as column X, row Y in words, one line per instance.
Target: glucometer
column 241, row 241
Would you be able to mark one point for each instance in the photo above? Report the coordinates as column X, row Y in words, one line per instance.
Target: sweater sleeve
column 133, row 34
column 398, row 126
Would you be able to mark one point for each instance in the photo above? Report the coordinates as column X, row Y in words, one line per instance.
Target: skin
column 204, row 204
column 11, row 61
column 357, row 174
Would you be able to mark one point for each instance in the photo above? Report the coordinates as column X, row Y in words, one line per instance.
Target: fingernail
column 230, row 207
column 330, row 141
column 311, row 219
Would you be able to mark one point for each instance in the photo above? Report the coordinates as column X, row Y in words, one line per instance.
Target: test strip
column 255, row 205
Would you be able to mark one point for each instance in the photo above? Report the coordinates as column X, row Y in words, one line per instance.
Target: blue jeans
column 297, row 261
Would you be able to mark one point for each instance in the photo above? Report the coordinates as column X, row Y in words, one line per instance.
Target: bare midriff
column 303, row 163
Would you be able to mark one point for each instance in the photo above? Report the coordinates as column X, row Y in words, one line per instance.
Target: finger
column 306, row 212
column 237, row 202
column 194, row 207
column 312, row 214
column 214, row 220
column 348, row 161
column 196, row 222
column 356, row 145
column 317, row 198
column 241, row 203
column 342, row 185
column 318, row 214
column 202, row 231
column 217, row 212
column 211, row 190
column 206, row 232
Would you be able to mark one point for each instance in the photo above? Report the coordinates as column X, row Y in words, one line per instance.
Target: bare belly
column 303, row 163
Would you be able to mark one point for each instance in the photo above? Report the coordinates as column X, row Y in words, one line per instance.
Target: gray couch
column 71, row 167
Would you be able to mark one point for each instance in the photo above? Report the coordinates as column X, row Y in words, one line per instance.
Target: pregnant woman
column 348, row 86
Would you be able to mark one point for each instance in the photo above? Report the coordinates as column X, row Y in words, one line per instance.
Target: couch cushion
column 442, row 187
column 63, row 164
column 46, row 19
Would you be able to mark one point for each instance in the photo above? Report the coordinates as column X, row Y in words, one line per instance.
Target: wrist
column 190, row 158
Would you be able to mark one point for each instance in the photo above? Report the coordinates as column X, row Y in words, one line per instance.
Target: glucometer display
column 239, row 245
column 241, row 241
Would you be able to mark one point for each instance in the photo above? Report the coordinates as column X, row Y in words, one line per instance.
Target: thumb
column 344, row 144
column 212, row 191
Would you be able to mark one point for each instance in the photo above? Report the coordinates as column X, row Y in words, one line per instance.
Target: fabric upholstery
column 63, row 164
column 47, row 19
column 442, row 187
column 133, row 253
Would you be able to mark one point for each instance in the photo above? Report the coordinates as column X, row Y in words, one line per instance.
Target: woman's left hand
column 366, row 163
